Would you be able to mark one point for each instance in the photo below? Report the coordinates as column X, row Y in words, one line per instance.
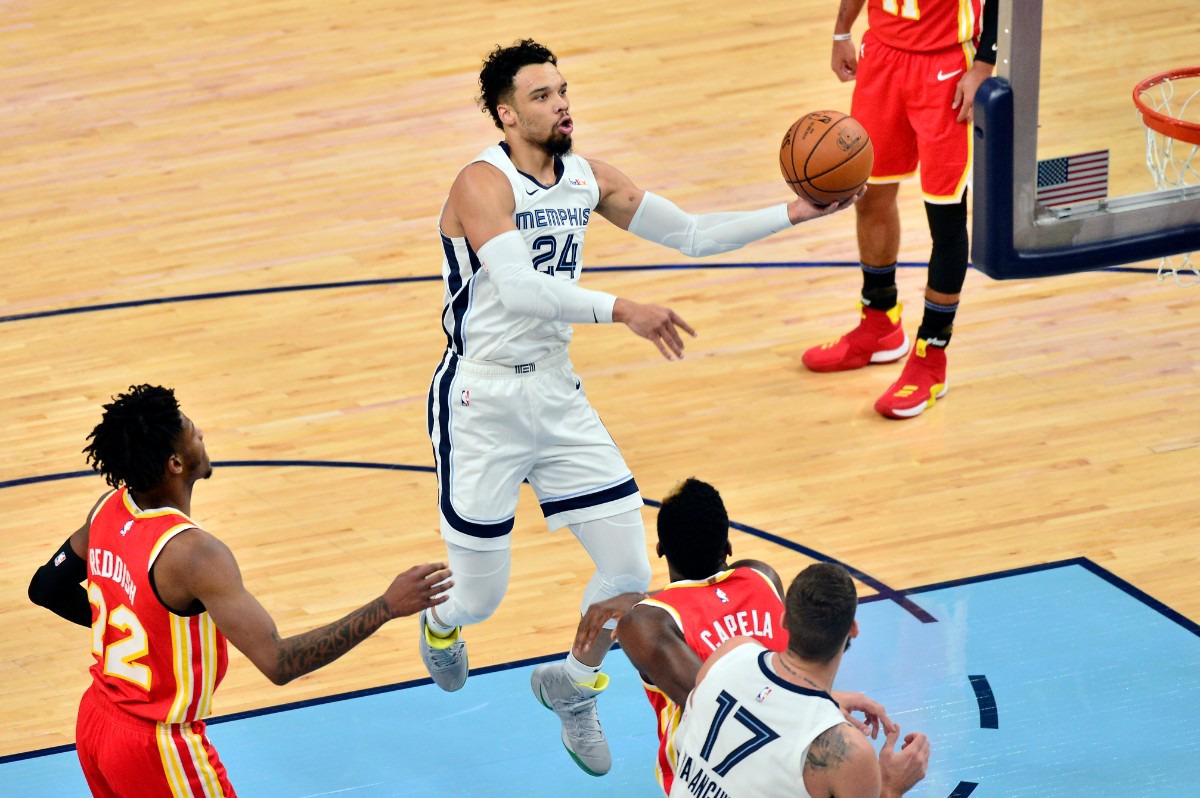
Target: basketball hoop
column 1172, row 144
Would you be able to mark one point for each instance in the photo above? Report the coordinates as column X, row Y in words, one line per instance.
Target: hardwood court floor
column 154, row 152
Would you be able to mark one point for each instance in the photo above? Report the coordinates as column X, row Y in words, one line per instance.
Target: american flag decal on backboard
column 1062, row 181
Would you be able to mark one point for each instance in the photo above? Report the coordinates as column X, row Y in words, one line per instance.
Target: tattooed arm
column 841, row 762
column 197, row 567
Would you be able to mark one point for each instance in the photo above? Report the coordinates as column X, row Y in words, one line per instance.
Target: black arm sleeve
column 56, row 586
column 986, row 52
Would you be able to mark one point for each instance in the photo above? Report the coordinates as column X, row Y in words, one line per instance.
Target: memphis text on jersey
column 552, row 217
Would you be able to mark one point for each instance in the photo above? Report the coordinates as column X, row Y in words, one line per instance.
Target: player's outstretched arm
column 657, row 649
column 196, row 565
column 591, row 625
column 657, row 219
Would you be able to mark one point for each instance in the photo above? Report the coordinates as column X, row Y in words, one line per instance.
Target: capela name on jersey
column 746, row 622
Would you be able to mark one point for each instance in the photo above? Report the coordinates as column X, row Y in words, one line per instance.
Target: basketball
column 826, row 156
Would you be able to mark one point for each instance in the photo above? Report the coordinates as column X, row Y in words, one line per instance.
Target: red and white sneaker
column 922, row 383
column 878, row 338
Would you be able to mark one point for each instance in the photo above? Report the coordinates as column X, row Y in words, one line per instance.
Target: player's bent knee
column 635, row 582
column 475, row 607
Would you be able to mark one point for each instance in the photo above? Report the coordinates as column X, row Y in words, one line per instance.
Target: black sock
column 879, row 287
column 938, row 324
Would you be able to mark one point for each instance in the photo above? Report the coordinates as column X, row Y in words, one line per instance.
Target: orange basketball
column 826, row 156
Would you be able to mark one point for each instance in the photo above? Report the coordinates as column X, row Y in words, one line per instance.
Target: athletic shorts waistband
column 486, row 368
column 113, row 713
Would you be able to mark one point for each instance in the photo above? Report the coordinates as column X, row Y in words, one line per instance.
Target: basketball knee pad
column 948, row 259
column 617, row 545
column 480, row 581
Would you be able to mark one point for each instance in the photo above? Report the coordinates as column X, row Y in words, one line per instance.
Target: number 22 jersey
column 150, row 662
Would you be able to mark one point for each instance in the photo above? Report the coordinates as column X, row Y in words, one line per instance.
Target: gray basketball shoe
column 447, row 665
column 575, row 706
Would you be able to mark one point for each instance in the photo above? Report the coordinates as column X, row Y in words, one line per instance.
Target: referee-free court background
column 240, row 202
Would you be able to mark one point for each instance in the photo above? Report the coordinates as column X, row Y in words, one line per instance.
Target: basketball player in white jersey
column 764, row 724
column 505, row 405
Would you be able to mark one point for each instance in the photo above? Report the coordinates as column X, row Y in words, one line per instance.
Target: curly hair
column 135, row 437
column 820, row 604
column 500, row 69
column 693, row 528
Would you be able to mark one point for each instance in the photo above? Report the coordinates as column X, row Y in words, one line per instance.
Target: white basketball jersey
column 745, row 731
column 553, row 221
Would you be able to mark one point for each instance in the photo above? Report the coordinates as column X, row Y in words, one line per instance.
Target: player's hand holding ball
column 826, row 158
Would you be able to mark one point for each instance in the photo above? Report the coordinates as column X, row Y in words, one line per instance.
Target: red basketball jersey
column 925, row 25
column 741, row 601
column 150, row 662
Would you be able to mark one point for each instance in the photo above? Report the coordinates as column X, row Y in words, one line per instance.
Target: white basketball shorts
column 493, row 427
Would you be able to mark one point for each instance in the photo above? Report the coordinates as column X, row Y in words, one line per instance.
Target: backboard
column 1015, row 237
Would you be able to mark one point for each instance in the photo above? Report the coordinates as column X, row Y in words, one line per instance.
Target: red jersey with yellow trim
column 925, row 25
column 740, row 601
column 150, row 662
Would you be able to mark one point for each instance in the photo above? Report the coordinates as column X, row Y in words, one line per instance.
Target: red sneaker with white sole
column 878, row 338
column 922, row 383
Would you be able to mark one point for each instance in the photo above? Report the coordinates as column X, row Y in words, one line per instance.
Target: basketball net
column 1173, row 162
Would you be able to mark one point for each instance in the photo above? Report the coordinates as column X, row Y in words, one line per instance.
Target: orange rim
column 1159, row 122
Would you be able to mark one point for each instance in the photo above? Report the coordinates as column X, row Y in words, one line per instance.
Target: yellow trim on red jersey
column 181, row 662
column 765, row 578
column 166, row 537
column 157, row 512
column 966, row 20
column 208, row 639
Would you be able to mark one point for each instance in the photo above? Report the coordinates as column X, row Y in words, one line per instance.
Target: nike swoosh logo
column 531, row 193
column 947, row 77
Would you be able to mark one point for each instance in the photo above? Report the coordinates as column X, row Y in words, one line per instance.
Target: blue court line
column 283, row 289
column 313, row 702
column 884, row 592
column 1083, row 562
column 973, row 760
column 987, row 704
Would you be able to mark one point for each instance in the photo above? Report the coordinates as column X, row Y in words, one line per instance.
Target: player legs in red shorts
column 910, row 104
column 128, row 757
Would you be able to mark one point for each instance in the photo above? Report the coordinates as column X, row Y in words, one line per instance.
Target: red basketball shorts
column 128, row 757
column 904, row 101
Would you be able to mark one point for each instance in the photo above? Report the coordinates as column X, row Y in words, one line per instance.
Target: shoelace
column 446, row 657
column 579, row 716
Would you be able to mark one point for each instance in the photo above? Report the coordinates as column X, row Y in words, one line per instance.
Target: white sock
column 438, row 628
column 581, row 672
